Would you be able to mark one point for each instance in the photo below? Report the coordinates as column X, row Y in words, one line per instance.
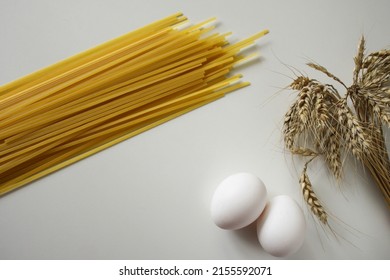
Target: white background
column 149, row 197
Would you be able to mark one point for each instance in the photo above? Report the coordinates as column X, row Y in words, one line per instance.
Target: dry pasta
column 100, row 97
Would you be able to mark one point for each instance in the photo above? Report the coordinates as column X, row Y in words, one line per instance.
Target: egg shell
column 281, row 227
column 238, row 201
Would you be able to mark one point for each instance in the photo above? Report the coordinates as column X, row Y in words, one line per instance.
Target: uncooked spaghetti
column 100, row 97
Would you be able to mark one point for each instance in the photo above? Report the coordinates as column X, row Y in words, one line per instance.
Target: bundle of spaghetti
column 86, row 103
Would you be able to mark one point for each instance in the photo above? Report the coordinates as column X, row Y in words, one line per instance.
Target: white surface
column 149, row 197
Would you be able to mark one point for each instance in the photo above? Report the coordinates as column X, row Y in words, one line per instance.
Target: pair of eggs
column 241, row 199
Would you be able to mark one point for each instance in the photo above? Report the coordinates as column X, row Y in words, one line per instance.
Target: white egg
column 238, row 201
column 281, row 227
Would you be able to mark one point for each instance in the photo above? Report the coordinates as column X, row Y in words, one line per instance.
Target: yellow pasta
column 100, row 97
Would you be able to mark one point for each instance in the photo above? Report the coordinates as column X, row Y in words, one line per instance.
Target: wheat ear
column 311, row 198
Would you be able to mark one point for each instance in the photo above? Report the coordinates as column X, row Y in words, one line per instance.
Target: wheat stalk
column 322, row 124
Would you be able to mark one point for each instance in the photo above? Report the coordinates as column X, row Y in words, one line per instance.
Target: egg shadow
column 247, row 237
column 248, row 234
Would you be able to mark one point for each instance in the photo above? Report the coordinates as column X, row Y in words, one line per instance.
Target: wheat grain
column 321, row 109
column 375, row 104
column 305, row 105
column 358, row 59
column 311, row 198
column 325, row 71
column 303, row 151
column 333, row 154
column 290, row 128
column 376, row 72
column 353, row 131
column 300, row 82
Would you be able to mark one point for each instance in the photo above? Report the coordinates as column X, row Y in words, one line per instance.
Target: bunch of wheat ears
column 321, row 123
